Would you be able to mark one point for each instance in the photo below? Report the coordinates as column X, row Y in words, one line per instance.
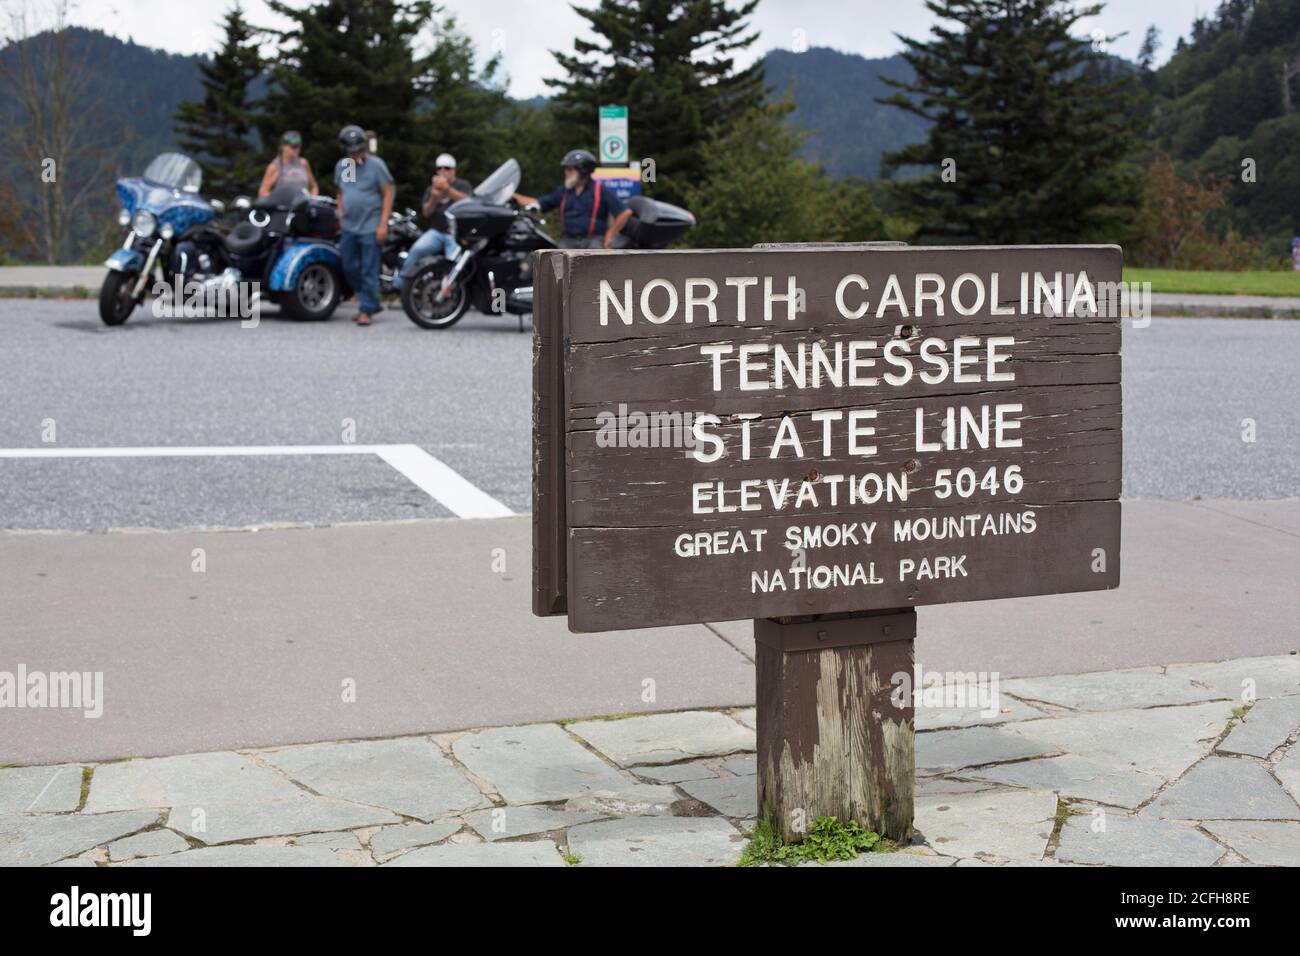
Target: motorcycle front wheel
column 419, row 298
column 116, row 301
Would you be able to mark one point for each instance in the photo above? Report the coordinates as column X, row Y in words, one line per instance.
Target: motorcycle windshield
column 501, row 185
column 175, row 170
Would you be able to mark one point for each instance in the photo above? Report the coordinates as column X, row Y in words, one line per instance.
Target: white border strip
column 429, row 474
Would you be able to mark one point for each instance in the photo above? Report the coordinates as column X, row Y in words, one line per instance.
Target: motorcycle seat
column 281, row 198
column 243, row 240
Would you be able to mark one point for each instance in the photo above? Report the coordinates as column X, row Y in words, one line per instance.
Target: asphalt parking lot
column 462, row 395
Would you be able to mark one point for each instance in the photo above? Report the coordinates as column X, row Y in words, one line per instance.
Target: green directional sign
column 613, row 134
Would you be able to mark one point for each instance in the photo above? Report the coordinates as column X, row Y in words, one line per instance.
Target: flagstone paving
column 665, row 738
column 658, row 841
column 996, row 709
column 502, row 823
column 943, row 751
column 1226, row 788
column 1117, row 840
column 410, row 776
column 1079, row 777
column 149, row 843
column 533, row 853
column 1115, row 690
column 989, row 824
column 392, row 840
column 1288, row 771
column 1266, row 842
column 40, row 789
column 1196, row 765
column 1267, row 726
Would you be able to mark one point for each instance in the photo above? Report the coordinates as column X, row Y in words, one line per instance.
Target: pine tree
column 1031, row 128
column 1150, row 46
column 356, row 61
column 756, row 188
column 673, row 64
column 218, row 130
column 464, row 109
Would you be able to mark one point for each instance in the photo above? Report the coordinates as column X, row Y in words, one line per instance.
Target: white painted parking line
column 432, row 476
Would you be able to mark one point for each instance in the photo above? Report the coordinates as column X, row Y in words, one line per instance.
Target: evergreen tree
column 218, row 130
column 673, row 64
column 756, row 188
column 355, row 61
column 1031, row 128
column 465, row 109
column 1150, row 46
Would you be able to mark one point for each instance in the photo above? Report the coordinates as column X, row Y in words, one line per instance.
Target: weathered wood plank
column 812, row 268
column 1072, row 447
column 623, row 576
column 549, row 410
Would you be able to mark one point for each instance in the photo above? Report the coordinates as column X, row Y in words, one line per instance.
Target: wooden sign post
column 822, row 439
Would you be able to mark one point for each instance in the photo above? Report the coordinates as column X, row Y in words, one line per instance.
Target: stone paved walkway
column 1192, row 764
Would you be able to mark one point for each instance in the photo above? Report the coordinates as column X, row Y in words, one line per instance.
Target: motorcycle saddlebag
column 655, row 224
column 315, row 218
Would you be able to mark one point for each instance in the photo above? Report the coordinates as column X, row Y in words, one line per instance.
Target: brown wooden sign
column 806, row 430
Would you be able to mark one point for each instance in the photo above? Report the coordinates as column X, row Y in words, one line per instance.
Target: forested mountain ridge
column 1225, row 105
column 1223, row 108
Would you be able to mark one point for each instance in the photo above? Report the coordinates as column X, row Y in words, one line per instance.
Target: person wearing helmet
column 365, row 200
column 591, row 216
column 443, row 190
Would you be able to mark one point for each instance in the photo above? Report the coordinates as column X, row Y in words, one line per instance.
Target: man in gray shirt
column 365, row 200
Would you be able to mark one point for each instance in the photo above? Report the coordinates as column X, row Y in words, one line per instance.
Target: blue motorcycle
column 284, row 251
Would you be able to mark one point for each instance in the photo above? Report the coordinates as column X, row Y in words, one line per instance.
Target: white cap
column 445, row 159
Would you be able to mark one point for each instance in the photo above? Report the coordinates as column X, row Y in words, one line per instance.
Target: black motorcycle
column 403, row 230
column 493, row 272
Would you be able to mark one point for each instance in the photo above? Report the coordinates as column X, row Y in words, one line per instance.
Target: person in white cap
column 443, row 190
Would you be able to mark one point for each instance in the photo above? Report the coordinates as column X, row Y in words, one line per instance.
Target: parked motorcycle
column 493, row 272
column 285, row 245
column 403, row 230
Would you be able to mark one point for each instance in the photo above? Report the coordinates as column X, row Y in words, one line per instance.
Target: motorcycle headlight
column 144, row 223
column 451, row 225
column 167, row 230
column 123, row 218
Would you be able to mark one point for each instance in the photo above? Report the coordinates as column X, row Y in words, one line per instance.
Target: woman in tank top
column 289, row 168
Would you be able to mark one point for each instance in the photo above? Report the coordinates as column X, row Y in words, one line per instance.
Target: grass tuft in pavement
column 828, row 839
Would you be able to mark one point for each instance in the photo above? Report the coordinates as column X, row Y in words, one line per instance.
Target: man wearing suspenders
column 591, row 216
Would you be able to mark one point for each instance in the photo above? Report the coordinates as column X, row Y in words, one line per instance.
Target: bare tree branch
column 51, row 84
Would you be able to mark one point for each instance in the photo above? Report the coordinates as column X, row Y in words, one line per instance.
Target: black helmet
column 353, row 139
column 581, row 160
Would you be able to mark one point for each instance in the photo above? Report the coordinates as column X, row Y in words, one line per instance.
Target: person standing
column 289, row 168
column 443, row 190
column 365, row 201
column 592, row 216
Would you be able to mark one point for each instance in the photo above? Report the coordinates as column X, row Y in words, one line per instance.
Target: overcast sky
column 525, row 31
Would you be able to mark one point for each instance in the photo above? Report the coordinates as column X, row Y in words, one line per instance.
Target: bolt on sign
column 804, row 430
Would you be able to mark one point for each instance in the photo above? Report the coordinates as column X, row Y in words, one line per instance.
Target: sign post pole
column 835, row 730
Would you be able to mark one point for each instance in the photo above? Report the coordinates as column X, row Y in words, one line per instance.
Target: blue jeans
column 360, row 251
column 432, row 243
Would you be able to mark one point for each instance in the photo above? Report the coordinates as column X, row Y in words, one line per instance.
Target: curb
column 1197, row 311
column 47, row 292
